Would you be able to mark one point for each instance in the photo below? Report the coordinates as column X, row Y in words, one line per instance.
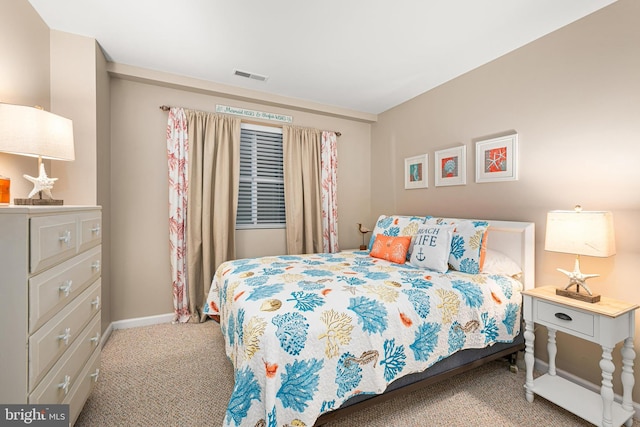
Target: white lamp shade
column 29, row 131
column 587, row 233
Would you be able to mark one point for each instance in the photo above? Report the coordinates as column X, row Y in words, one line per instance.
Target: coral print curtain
column 329, row 180
column 310, row 163
column 204, row 210
column 177, row 158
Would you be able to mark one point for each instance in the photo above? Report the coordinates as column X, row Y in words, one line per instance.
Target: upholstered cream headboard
column 517, row 240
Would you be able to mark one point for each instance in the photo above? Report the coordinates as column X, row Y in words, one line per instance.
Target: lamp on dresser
column 31, row 131
column 579, row 232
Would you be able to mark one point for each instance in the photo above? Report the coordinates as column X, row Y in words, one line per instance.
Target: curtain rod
column 167, row 108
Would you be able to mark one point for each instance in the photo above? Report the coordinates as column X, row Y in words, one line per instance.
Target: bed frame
column 517, row 239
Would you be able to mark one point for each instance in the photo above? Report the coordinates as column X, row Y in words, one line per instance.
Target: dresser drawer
column 84, row 384
column 57, row 384
column 57, row 335
column 90, row 230
column 51, row 290
column 52, row 239
column 564, row 318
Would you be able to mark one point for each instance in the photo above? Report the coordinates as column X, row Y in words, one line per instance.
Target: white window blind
column 261, row 193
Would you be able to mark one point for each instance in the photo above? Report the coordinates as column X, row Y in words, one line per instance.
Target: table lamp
column 579, row 232
column 31, row 131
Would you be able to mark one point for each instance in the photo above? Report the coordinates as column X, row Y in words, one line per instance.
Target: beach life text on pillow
column 432, row 246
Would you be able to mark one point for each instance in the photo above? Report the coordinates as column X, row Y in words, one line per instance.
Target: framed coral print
column 497, row 159
column 415, row 172
column 451, row 166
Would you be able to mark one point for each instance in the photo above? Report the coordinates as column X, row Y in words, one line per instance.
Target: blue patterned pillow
column 467, row 245
column 397, row 225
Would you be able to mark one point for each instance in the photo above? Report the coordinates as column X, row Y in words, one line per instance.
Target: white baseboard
column 135, row 323
column 542, row 366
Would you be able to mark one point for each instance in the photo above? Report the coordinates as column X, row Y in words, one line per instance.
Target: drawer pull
column 65, row 384
column 65, row 238
column 563, row 316
column 65, row 337
column 96, row 302
column 95, row 339
column 96, row 265
column 96, row 229
column 95, row 375
column 66, row 287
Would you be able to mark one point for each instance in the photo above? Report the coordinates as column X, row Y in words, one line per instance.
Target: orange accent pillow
column 391, row 248
column 483, row 249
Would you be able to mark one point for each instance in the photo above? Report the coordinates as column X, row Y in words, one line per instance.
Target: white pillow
column 432, row 246
column 496, row 262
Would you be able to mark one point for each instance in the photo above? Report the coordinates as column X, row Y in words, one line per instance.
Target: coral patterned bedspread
column 305, row 333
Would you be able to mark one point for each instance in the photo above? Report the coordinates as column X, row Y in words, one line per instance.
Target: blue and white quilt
column 305, row 333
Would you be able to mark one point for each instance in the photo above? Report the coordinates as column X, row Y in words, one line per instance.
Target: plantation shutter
column 261, row 192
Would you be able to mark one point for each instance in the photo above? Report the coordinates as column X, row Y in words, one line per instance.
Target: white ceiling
column 363, row 55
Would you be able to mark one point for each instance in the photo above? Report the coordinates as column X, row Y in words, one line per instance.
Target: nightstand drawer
column 564, row 318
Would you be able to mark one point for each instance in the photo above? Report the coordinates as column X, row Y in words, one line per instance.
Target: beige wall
column 73, row 95
column 24, row 78
column 141, row 284
column 573, row 98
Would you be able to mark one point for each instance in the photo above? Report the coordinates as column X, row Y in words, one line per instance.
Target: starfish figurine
column 41, row 183
column 577, row 278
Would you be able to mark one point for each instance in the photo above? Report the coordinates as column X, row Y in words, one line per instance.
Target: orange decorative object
column 392, row 249
column 5, row 190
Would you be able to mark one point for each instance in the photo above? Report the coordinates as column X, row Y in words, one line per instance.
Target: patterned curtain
column 177, row 158
column 329, row 180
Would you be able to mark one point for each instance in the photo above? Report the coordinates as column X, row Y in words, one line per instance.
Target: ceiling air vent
column 249, row 75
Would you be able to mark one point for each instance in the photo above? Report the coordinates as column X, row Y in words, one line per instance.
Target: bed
column 312, row 337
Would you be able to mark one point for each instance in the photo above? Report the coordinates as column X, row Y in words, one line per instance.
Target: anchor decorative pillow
column 432, row 247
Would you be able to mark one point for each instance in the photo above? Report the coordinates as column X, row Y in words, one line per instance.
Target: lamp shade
column 577, row 232
column 29, row 131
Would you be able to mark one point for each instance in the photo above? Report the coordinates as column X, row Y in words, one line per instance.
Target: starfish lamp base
column 582, row 296
column 42, row 184
column 38, row 202
column 578, row 279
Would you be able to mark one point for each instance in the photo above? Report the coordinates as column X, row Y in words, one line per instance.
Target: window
column 261, row 194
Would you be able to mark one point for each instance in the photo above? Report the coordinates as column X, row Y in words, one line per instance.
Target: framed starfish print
column 497, row 159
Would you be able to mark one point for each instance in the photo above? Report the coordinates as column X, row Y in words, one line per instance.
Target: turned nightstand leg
column 628, row 356
column 529, row 338
column 552, row 350
column 606, row 391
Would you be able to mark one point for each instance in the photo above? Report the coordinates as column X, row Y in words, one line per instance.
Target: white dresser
column 50, row 263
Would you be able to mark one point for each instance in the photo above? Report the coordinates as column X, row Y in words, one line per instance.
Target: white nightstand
column 605, row 323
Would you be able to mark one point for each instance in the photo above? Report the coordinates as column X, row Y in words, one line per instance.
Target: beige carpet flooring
column 176, row 375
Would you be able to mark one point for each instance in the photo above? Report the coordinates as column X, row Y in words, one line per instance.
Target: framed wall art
column 497, row 159
column 451, row 166
column 416, row 172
